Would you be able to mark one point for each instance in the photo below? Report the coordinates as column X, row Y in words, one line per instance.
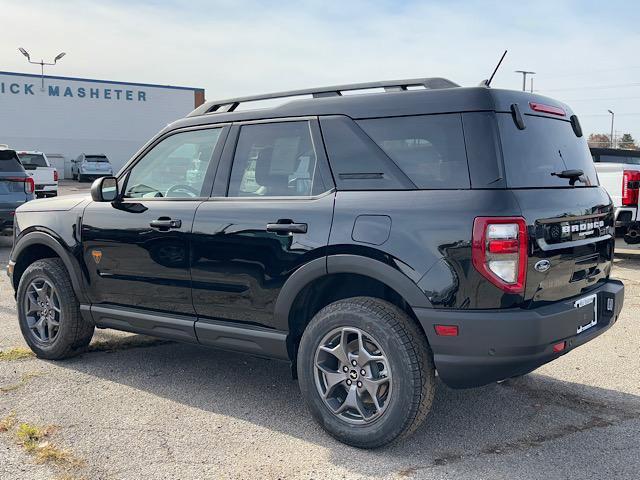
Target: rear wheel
column 365, row 371
column 49, row 312
column 632, row 237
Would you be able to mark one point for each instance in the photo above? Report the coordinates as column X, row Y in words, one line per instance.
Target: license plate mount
column 588, row 302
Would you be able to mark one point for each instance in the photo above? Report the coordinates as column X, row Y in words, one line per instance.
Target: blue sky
column 586, row 53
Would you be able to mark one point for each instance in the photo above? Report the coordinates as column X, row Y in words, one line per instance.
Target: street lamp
column 42, row 63
column 611, row 137
column 524, row 78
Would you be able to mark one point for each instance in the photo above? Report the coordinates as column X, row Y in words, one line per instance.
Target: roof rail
column 230, row 104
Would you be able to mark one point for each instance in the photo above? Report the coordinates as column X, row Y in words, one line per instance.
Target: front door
column 137, row 250
column 270, row 214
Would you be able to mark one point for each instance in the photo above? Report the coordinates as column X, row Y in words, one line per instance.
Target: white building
column 69, row 116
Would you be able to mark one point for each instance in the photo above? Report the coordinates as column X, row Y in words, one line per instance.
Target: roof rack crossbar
column 229, row 105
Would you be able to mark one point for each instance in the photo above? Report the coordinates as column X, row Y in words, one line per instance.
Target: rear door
column 570, row 223
column 136, row 250
column 270, row 213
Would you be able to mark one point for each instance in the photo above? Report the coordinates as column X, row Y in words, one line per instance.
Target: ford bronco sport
column 371, row 240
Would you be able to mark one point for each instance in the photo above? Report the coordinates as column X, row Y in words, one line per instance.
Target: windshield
column 96, row 158
column 545, row 147
column 32, row 160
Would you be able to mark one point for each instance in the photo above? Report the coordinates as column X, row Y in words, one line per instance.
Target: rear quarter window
column 429, row 149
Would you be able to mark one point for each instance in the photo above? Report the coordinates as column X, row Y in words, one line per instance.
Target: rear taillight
column 499, row 251
column 55, row 175
column 29, row 185
column 630, row 187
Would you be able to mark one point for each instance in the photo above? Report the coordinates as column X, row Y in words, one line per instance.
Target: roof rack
column 229, row 105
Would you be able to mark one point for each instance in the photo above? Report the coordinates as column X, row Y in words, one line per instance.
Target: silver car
column 90, row 166
column 16, row 188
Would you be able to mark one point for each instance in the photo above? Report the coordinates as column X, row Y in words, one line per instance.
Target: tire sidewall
column 68, row 302
column 401, row 409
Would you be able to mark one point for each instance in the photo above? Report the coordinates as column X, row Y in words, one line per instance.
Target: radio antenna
column 487, row 83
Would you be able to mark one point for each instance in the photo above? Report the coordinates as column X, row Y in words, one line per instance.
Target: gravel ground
column 138, row 408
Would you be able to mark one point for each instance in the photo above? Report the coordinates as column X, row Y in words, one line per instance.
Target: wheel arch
column 38, row 245
column 327, row 279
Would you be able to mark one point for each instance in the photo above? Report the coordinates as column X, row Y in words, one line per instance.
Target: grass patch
column 23, row 381
column 47, row 452
column 16, row 353
column 7, row 422
column 30, row 436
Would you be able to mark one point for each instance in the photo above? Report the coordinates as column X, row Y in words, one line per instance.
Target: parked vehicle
column 16, row 188
column 619, row 173
column 370, row 240
column 88, row 166
column 44, row 175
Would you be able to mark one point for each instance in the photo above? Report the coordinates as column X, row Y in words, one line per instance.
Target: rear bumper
column 497, row 344
column 625, row 216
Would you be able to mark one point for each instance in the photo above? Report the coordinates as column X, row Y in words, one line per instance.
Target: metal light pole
column 42, row 63
column 524, row 78
column 611, row 137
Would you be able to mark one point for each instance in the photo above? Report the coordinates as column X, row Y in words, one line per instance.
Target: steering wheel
column 190, row 191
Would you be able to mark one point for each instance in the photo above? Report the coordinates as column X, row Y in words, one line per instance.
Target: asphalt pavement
column 133, row 407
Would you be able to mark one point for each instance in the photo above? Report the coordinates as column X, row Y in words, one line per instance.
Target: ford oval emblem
column 542, row 265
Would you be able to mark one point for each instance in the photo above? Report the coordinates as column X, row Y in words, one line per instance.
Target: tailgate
column 572, row 230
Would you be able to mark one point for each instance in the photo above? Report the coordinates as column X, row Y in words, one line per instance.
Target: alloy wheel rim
column 353, row 375
column 42, row 310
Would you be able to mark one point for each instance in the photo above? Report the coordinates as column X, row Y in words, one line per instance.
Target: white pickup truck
column 619, row 173
column 44, row 175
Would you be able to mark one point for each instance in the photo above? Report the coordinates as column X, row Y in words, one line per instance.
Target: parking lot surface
column 135, row 407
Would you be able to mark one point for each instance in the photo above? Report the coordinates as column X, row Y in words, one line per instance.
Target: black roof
column 393, row 102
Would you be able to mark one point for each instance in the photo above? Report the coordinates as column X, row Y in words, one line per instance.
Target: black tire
column 411, row 366
column 632, row 239
column 74, row 333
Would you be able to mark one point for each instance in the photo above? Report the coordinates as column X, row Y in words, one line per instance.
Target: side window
column 429, row 149
column 175, row 167
column 274, row 160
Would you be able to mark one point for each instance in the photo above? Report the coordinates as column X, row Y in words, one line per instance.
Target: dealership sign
column 67, row 91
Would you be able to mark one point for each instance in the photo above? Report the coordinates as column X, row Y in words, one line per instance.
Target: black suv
column 370, row 240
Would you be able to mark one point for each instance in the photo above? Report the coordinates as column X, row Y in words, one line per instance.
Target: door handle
column 164, row 223
column 282, row 228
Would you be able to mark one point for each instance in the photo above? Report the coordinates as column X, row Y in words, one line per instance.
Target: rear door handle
column 164, row 223
column 287, row 227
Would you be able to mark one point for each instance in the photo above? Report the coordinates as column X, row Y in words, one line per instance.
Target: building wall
column 72, row 116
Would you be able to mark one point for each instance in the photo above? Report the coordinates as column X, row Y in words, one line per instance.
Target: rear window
column 32, row 160
column 96, row 158
column 429, row 149
column 545, row 146
column 9, row 162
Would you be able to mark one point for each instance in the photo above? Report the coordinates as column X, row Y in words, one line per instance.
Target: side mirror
column 105, row 189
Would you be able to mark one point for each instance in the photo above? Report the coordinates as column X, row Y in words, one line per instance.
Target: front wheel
column 49, row 312
column 366, row 372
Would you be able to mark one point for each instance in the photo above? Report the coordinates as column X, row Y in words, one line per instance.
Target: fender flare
column 48, row 240
column 344, row 263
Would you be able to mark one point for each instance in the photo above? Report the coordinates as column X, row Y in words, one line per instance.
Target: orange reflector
column 446, row 330
column 558, row 347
